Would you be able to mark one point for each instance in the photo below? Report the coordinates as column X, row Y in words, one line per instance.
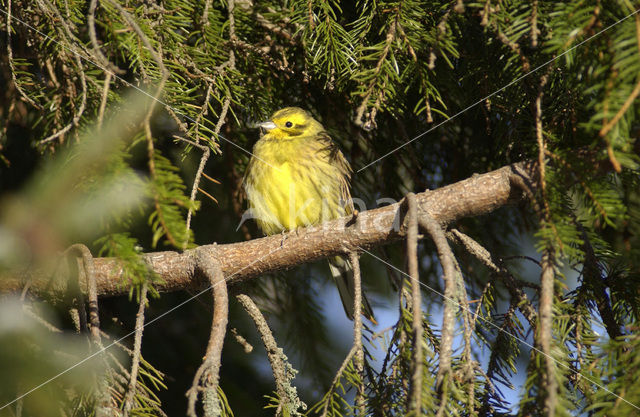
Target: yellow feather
column 298, row 177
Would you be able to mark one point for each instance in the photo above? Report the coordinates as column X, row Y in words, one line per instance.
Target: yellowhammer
column 298, row 177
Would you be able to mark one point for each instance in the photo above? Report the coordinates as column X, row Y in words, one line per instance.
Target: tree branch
column 475, row 196
column 206, row 377
column 357, row 333
column 447, row 260
column 282, row 371
column 415, row 402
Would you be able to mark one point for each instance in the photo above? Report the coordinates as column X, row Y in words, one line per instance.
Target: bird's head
column 291, row 123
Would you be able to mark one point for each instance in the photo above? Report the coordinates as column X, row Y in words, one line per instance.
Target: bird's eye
column 288, row 124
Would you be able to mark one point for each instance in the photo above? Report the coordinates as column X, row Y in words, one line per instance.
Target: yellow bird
column 298, row 177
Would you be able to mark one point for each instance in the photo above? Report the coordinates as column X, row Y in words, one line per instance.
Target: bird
column 296, row 177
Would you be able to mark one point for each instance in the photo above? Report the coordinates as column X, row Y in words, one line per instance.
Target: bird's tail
column 342, row 272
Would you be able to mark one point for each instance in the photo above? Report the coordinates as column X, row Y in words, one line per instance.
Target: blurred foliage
column 83, row 162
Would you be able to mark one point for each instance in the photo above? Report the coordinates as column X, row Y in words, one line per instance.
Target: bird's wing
column 337, row 159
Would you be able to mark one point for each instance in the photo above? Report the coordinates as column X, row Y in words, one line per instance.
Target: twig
column 109, row 67
column 204, row 110
column 204, row 21
column 103, row 100
column 147, row 119
column 483, row 255
column 415, row 397
column 49, row 326
column 248, row 348
column 92, row 292
column 264, row 53
column 282, row 372
column 207, row 375
column 593, row 276
column 357, row 332
column 545, row 335
column 24, row 95
column 625, row 106
column 534, row 24
column 450, row 307
column 134, row 25
column 76, row 57
column 542, row 147
column 206, row 153
column 370, row 124
column 270, row 344
column 77, row 311
column 137, row 346
column 547, row 278
column 525, row 257
column 337, row 378
column 103, row 407
column 468, row 367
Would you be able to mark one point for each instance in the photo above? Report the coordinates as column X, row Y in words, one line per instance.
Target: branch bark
column 475, row 196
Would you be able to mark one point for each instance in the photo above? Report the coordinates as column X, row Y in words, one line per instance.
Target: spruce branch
column 12, row 65
column 103, row 100
column 592, row 272
column 71, row 43
column 444, row 378
column 415, row 397
column 231, row 64
column 137, row 352
column 469, row 365
column 206, row 153
column 377, row 71
column 104, row 404
column 88, row 272
column 518, row 296
column 545, row 331
column 283, row 373
column 357, row 333
column 336, row 381
column 475, row 196
column 111, row 69
column 623, row 110
column 207, row 376
column 547, row 278
column 535, row 31
column 204, row 20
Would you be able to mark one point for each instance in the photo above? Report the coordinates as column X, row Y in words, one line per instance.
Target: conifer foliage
column 418, row 94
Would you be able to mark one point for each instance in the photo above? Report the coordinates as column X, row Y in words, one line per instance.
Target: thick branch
column 475, row 196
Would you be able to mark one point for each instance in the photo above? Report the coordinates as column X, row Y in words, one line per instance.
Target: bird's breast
column 290, row 193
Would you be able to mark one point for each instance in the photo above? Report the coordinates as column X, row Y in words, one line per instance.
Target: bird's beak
column 268, row 125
